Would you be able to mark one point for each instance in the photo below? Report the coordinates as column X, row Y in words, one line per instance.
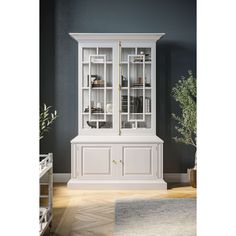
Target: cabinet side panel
column 153, row 75
column 160, row 161
column 73, row 161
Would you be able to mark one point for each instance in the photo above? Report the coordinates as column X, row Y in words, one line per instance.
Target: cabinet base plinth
column 158, row 184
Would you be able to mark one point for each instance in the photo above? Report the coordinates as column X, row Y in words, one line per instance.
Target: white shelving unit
column 117, row 101
column 45, row 178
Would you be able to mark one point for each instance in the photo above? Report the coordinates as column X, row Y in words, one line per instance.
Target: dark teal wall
column 176, row 53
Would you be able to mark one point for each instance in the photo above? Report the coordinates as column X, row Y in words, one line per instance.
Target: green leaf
column 46, row 120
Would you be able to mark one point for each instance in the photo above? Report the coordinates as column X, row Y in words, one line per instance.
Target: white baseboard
column 176, row 177
column 168, row 177
column 61, row 177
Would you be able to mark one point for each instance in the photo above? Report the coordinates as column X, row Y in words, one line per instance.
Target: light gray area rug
column 159, row 217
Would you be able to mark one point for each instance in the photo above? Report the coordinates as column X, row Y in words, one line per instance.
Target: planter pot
column 192, row 173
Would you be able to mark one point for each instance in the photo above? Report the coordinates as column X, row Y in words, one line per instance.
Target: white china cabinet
column 117, row 146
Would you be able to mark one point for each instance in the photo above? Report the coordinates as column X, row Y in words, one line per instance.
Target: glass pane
column 146, row 124
column 97, row 88
column 136, row 87
column 146, row 52
column 136, row 91
column 125, row 52
column 109, row 78
column 86, row 52
column 107, row 52
column 125, row 124
column 85, row 75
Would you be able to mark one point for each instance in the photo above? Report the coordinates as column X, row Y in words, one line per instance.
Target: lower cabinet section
column 117, row 166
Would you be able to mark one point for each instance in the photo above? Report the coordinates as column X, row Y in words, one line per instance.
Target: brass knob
column 121, row 162
column 114, row 161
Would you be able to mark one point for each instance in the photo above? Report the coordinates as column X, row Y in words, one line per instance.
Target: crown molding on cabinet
column 117, row 36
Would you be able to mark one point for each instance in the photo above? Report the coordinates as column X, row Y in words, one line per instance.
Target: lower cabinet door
column 138, row 161
column 95, row 162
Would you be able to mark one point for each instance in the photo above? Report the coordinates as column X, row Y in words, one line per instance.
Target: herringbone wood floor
column 91, row 212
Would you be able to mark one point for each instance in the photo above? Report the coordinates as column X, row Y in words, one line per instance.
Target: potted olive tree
column 184, row 92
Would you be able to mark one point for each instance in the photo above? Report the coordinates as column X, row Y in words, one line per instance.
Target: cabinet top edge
column 116, row 139
column 117, row 36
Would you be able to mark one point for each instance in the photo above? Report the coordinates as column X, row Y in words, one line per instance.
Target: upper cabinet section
column 117, row 83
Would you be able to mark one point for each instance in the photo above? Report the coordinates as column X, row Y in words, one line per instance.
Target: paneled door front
column 138, row 161
column 95, row 161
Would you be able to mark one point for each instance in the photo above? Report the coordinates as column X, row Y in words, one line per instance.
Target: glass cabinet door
column 135, row 87
column 97, row 88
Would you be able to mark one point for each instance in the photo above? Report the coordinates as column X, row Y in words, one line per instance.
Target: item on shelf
column 99, row 106
column 139, row 83
column 139, row 58
column 94, row 110
column 135, row 85
column 87, row 81
column 147, row 55
column 142, row 125
column 126, row 124
column 107, row 125
column 147, row 105
column 94, row 77
column 98, row 82
column 109, row 107
column 136, row 104
column 140, row 80
column 93, row 124
column 124, row 81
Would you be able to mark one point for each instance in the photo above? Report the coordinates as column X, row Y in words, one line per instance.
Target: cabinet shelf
column 126, row 113
column 136, row 88
column 138, row 63
column 97, row 88
column 87, row 62
column 86, row 113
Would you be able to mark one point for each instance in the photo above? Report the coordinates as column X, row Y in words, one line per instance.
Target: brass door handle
column 121, row 162
column 114, row 161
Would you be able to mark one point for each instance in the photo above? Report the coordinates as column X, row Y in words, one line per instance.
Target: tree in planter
column 46, row 120
column 184, row 93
